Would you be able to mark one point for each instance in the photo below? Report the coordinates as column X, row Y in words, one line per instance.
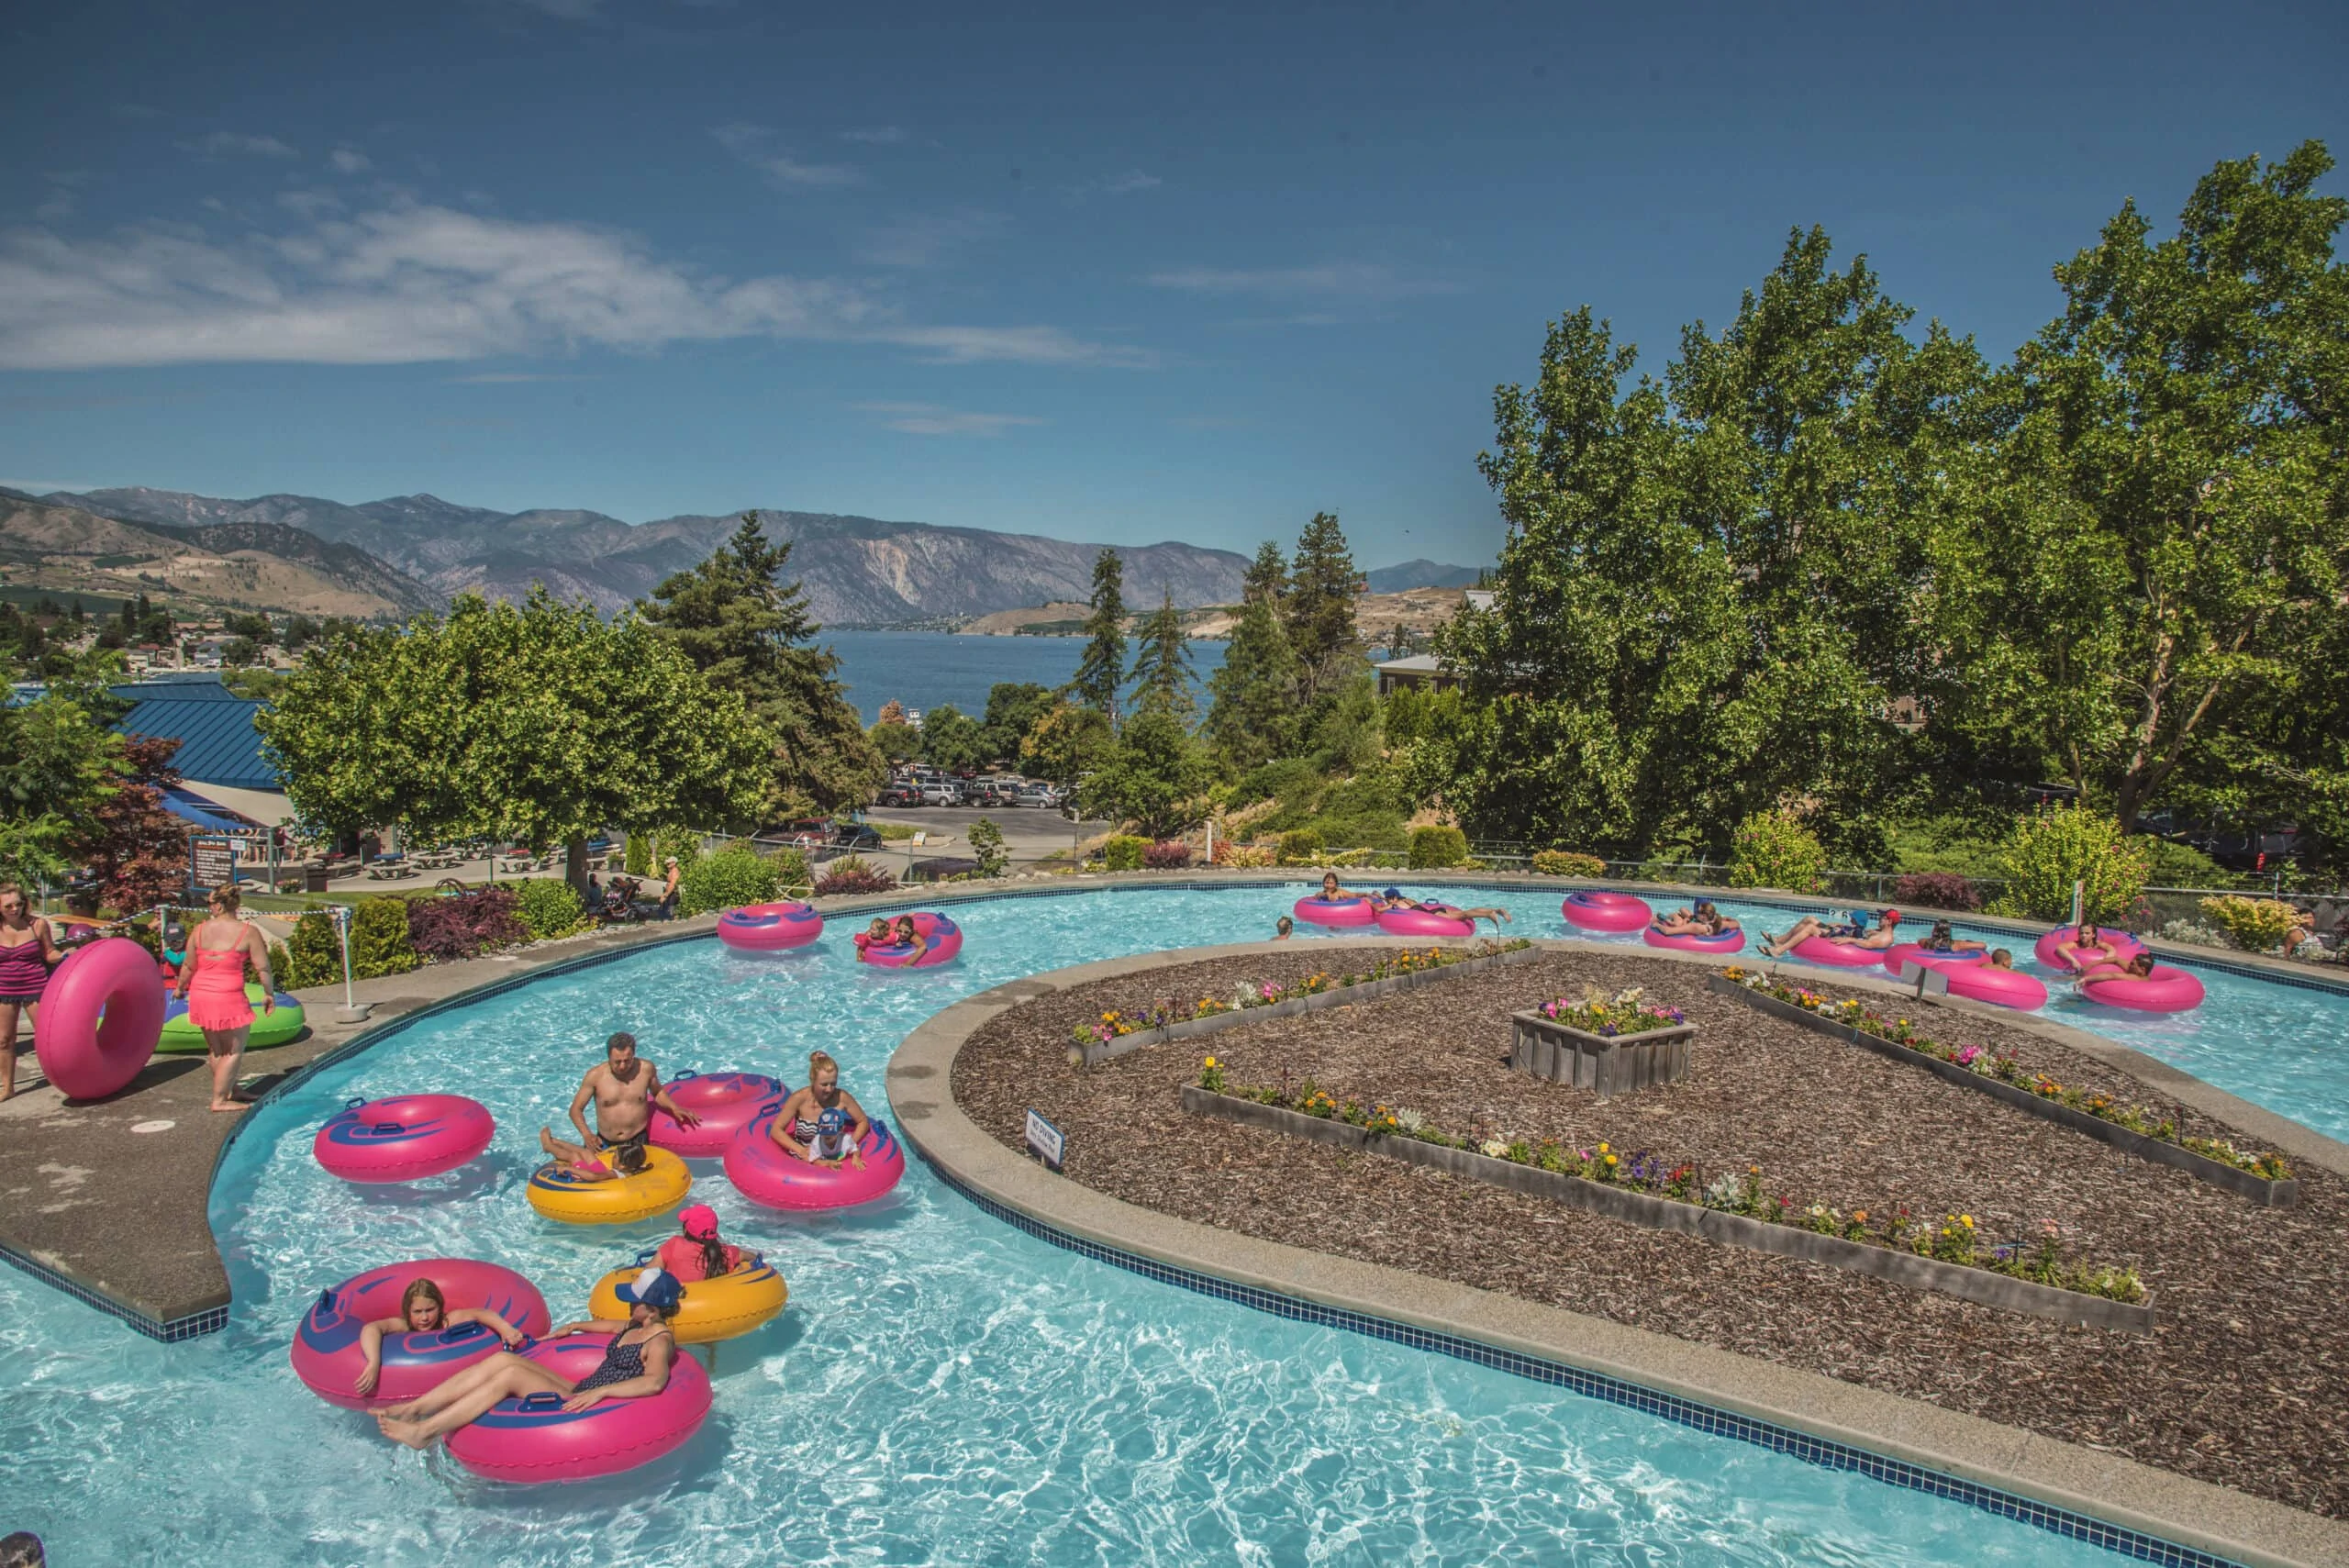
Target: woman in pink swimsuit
column 213, row 981
column 26, row 949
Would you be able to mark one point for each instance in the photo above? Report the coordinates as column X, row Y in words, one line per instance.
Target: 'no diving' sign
column 1044, row 1141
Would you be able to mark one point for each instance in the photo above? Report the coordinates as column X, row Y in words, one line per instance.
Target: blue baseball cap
column 656, row 1287
column 832, row 1122
column 1392, row 893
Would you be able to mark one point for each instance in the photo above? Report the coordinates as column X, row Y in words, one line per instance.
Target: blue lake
column 923, row 668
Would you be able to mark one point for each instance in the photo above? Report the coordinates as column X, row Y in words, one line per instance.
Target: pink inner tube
column 1352, row 910
column 1605, row 911
column 326, row 1354
column 2165, row 990
column 2043, row 950
column 1423, row 923
column 769, row 927
column 1732, row 940
column 1913, row 952
column 2002, row 987
column 536, row 1439
column 1837, row 955
column 101, row 1014
column 724, row 1101
column 766, row 1173
column 944, row 936
column 403, row 1139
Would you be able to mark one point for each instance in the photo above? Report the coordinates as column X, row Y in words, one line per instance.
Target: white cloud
column 878, row 136
column 754, row 145
column 236, row 144
column 923, row 240
column 309, row 204
column 420, row 282
column 348, row 160
column 64, row 194
column 1124, row 185
column 504, row 378
column 931, row 419
column 1346, row 280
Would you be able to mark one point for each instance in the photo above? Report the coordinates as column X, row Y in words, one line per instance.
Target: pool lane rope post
column 352, row 1012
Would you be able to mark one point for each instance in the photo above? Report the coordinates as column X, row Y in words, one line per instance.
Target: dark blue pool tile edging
column 211, row 1320
column 1710, row 1419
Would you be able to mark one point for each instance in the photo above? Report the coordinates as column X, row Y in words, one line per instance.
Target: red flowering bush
column 850, row 876
column 1936, row 890
column 1170, row 854
column 465, row 925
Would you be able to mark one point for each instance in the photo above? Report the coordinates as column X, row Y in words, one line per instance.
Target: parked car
column 1043, row 797
column 859, row 836
column 905, row 794
column 941, row 794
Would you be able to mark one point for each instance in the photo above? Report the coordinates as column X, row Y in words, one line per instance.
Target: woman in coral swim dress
column 213, row 981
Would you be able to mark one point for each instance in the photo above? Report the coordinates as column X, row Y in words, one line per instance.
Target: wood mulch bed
column 2245, row 1381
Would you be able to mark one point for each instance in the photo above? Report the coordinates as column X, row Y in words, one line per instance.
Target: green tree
column 1065, row 744
column 897, row 743
column 240, row 652
column 1013, row 708
column 1251, row 711
column 750, row 633
column 538, row 721
column 255, row 628
column 2163, row 534
column 1162, row 672
column 1154, row 775
column 951, row 739
column 1102, row 669
column 1319, row 608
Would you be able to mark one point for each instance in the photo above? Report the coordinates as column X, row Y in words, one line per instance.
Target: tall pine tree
column 1102, row 670
column 749, row 632
column 1253, row 710
column 1162, row 672
column 1320, row 608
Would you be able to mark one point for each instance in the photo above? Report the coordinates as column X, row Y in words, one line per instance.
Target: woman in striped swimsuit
column 26, row 949
column 800, row 1126
column 635, row 1366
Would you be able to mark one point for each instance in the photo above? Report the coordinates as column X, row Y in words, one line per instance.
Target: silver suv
column 943, row 793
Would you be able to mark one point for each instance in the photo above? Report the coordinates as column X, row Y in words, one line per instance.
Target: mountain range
column 411, row 552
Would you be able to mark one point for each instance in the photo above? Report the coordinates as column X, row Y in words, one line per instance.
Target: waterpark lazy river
column 943, row 1386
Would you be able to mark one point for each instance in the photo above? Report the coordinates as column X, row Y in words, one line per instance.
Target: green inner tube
column 269, row 1029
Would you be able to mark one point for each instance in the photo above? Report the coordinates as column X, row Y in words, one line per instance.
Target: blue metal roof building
column 218, row 744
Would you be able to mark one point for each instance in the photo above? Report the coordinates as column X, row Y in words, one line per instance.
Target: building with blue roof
column 230, row 784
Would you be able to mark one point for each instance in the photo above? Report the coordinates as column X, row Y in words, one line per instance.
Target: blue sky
column 1065, row 270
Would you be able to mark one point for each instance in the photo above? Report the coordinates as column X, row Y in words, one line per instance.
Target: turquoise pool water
column 943, row 1389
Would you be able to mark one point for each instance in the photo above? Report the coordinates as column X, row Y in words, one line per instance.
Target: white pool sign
column 1044, row 1141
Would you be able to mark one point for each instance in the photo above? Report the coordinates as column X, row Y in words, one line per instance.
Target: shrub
column 1434, row 847
column 1123, row 851
column 2172, row 864
column 547, row 906
column 1228, row 854
column 1773, row 849
column 1567, row 862
column 986, row 846
column 681, row 842
column 2053, row 848
column 1936, row 890
column 1170, row 854
column 2193, row 933
column 379, row 943
column 2254, row 925
column 1300, row 847
column 314, row 956
column 639, row 860
column 734, row 877
column 464, row 926
column 851, row 874
column 790, row 872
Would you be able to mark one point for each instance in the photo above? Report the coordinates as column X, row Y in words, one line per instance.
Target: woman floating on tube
column 423, row 1310
column 635, row 1365
column 822, row 1123
column 1393, row 899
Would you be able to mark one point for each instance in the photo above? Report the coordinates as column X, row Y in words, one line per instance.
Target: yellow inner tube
column 661, row 1187
column 711, row 1310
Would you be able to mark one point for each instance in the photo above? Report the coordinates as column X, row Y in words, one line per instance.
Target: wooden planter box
column 2218, row 1173
column 1339, row 996
column 2005, row 1292
column 1608, row 1065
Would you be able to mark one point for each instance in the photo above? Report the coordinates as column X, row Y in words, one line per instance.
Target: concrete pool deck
column 1761, row 1399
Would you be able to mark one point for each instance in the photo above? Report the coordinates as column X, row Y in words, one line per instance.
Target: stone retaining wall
column 2003, row 1290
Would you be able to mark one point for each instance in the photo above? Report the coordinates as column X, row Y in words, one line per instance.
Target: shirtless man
column 625, row 1088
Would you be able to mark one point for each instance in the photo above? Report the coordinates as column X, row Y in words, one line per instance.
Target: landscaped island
column 2241, row 1378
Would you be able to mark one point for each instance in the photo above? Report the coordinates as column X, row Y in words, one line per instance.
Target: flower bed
column 1117, row 1031
column 1610, row 1044
column 1597, row 1013
column 1735, row 1208
column 2265, row 1176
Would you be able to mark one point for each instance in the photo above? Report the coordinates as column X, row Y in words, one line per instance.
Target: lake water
column 923, row 668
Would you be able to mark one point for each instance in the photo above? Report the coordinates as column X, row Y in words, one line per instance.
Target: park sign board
column 1045, row 1140
column 212, row 862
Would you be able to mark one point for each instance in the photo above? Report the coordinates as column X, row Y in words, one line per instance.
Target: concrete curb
column 1981, row 1286
column 2074, row 1491
column 2155, row 1151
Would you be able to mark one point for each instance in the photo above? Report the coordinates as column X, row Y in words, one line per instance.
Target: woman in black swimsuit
column 635, row 1366
column 799, row 1126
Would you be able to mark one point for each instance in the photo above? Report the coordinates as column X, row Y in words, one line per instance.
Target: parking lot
column 1029, row 833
